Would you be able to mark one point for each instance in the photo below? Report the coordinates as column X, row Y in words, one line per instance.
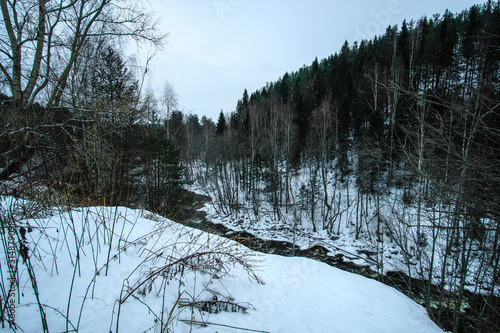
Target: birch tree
column 40, row 44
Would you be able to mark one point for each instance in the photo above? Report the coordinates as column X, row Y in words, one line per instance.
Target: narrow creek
column 200, row 221
column 441, row 312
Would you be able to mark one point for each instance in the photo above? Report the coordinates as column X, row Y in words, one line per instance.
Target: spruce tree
column 221, row 127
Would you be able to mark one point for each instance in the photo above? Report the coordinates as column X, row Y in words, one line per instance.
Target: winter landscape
column 106, row 269
column 359, row 193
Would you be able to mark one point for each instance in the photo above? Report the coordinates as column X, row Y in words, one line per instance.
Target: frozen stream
column 413, row 288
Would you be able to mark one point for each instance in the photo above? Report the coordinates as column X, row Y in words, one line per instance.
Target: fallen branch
column 201, row 323
column 214, row 306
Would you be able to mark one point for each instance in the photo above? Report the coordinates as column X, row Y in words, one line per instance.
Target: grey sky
column 217, row 48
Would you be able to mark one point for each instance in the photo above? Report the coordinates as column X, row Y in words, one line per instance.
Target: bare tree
column 41, row 43
column 42, row 40
column 170, row 101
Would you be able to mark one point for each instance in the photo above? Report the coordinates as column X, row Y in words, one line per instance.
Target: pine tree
column 164, row 173
column 403, row 45
column 221, row 125
column 284, row 88
column 103, row 150
column 113, row 86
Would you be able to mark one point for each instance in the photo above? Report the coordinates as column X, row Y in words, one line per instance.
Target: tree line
column 421, row 99
column 409, row 119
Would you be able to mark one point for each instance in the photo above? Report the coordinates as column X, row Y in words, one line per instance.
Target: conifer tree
column 221, row 127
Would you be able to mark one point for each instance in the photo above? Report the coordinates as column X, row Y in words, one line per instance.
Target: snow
column 389, row 224
column 70, row 251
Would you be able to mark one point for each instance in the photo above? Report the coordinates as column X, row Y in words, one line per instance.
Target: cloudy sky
column 217, row 48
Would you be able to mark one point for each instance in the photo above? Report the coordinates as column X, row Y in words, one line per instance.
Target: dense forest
column 408, row 122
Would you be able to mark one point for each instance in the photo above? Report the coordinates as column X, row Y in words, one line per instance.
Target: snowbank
column 121, row 270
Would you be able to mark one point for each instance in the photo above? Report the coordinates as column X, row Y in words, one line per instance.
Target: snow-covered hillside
column 104, row 269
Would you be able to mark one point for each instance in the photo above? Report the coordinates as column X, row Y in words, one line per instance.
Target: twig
column 201, row 323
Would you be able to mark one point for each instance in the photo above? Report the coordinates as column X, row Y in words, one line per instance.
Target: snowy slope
column 302, row 295
column 156, row 265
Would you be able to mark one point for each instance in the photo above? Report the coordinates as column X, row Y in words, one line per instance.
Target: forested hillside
column 393, row 140
column 393, row 143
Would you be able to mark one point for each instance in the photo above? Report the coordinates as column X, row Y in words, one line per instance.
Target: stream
column 473, row 318
column 199, row 221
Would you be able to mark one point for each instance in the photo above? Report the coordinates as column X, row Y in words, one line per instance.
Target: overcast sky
column 217, row 48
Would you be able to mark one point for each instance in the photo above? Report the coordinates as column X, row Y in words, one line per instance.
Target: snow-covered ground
column 386, row 231
column 105, row 269
column 387, row 256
